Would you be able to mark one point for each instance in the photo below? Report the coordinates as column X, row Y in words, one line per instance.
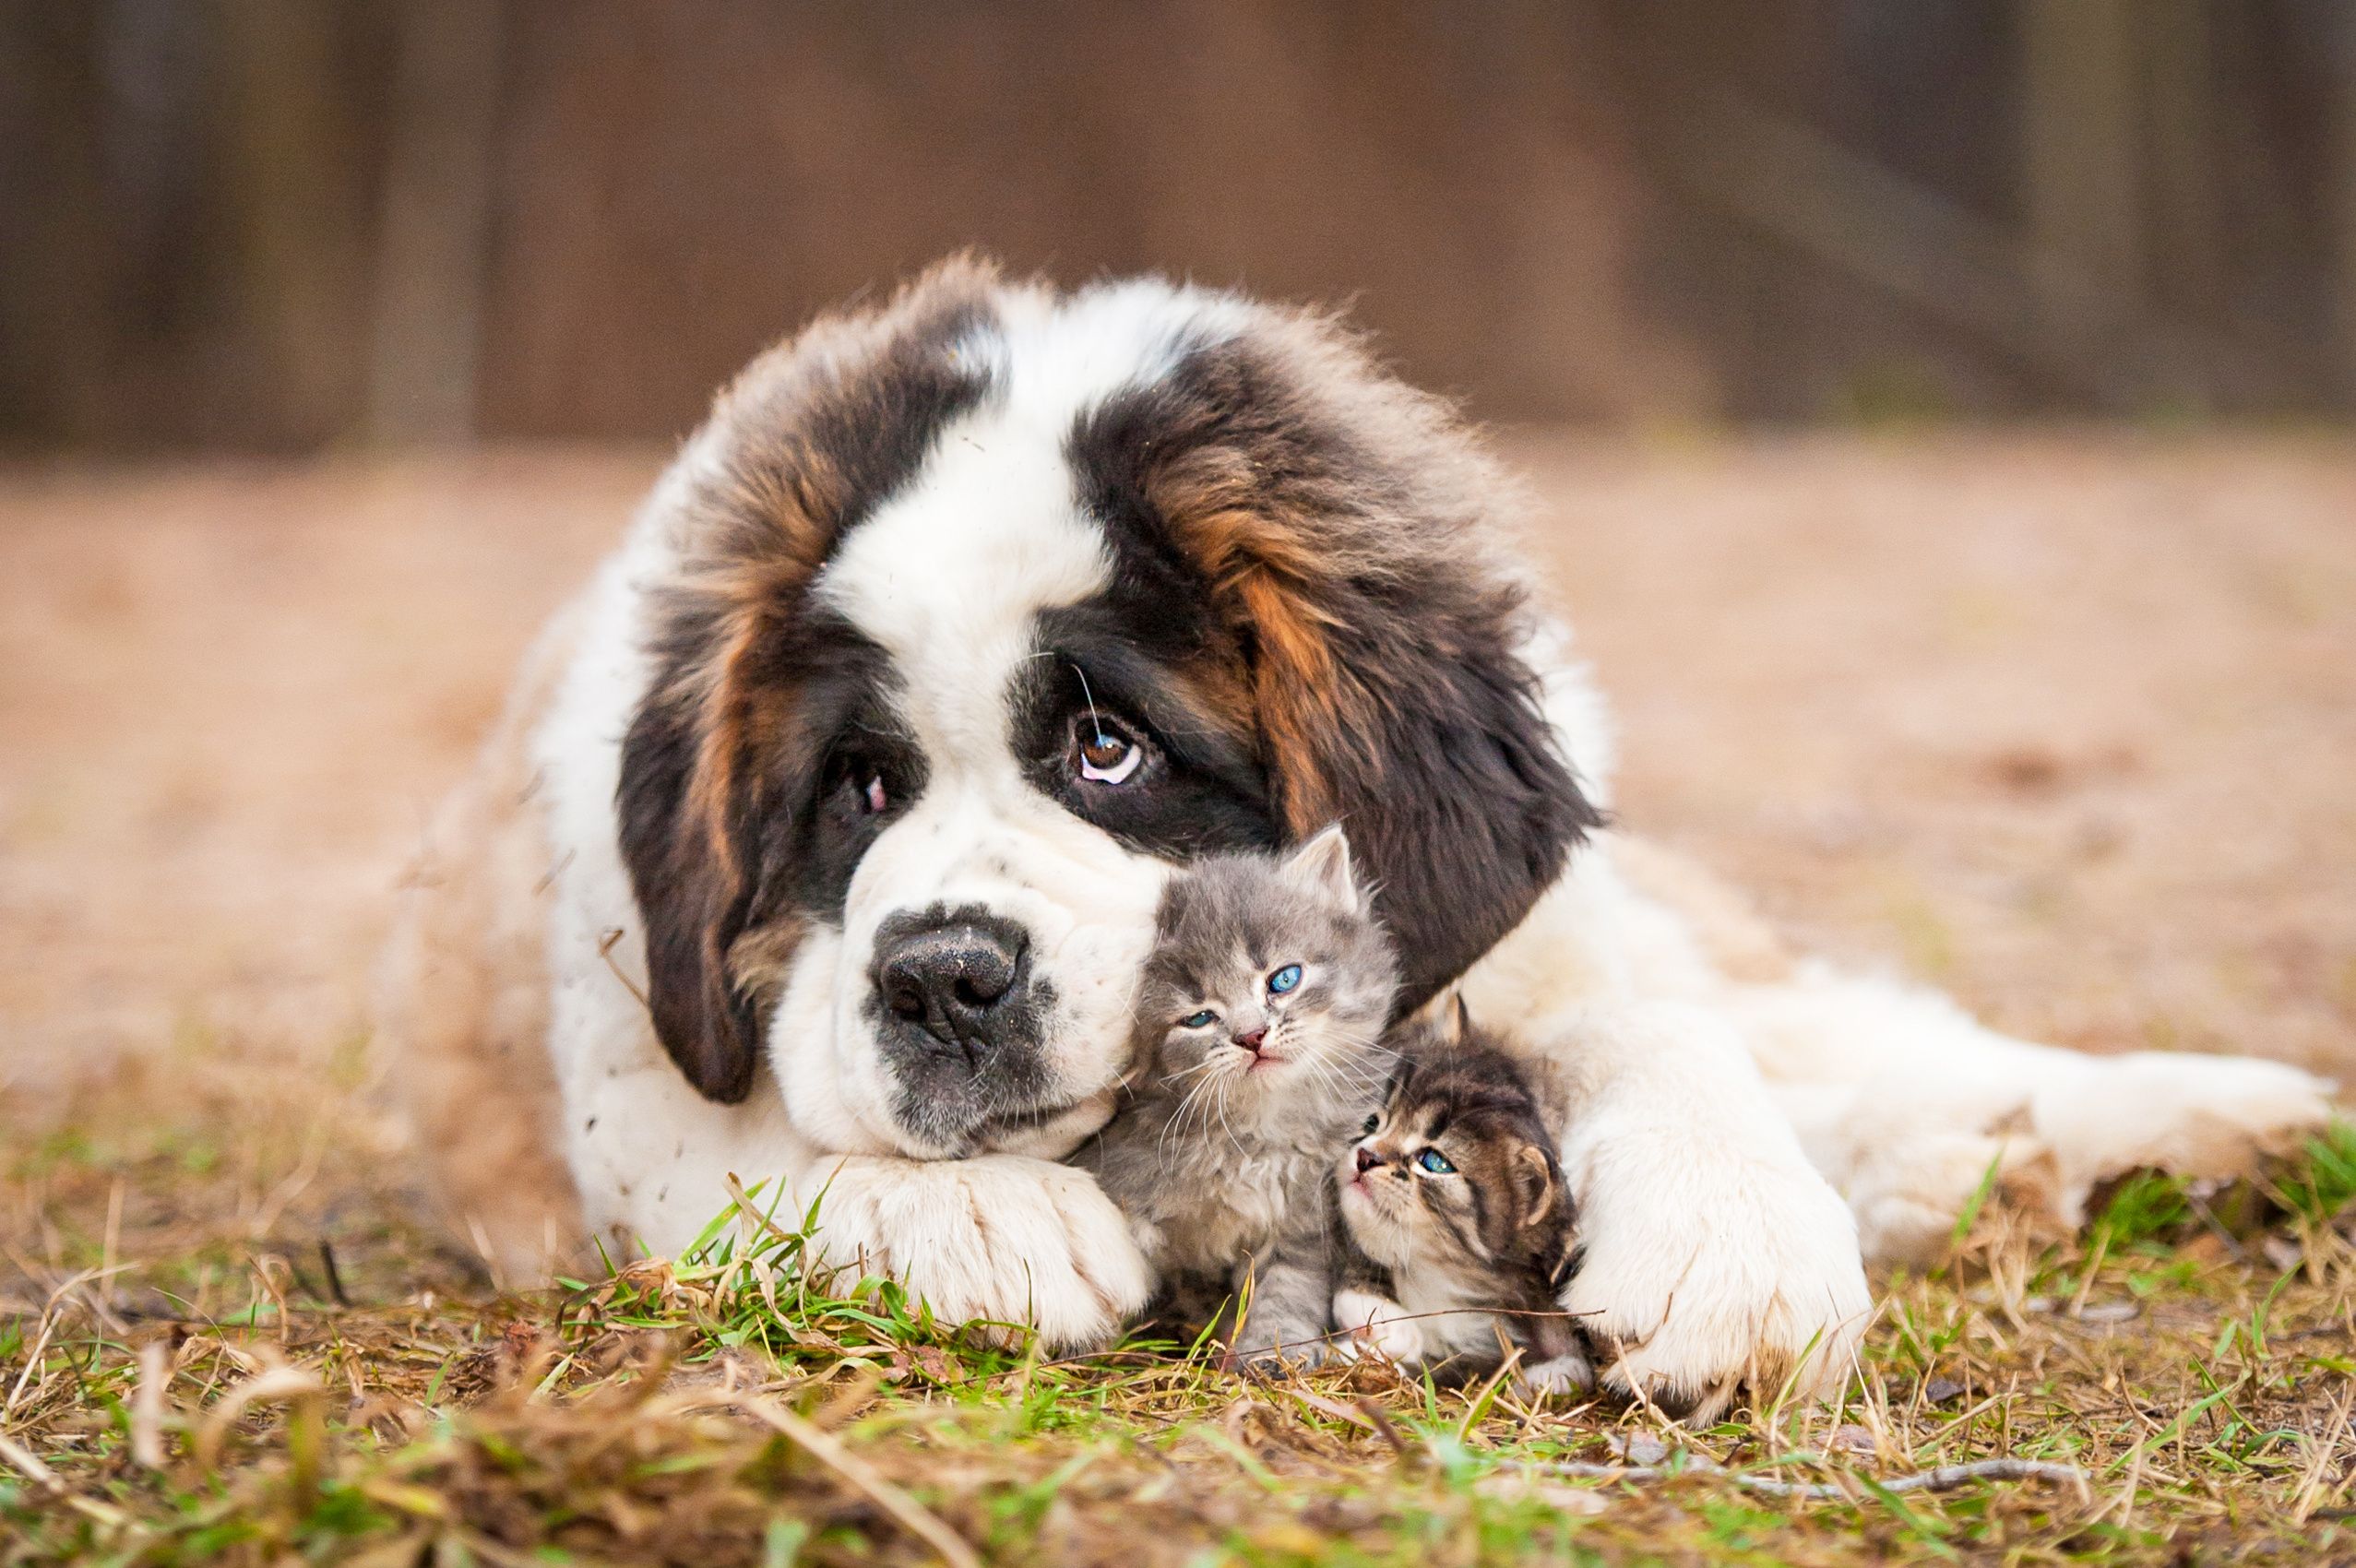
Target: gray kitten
column 1257, row 1058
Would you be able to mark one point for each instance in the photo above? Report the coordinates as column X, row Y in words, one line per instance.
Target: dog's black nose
column 955, row 977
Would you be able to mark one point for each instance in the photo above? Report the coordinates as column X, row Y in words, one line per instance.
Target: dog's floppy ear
column 1339, row 522
column 689, row 858
column 813, row 435
column 1462, row 809
column 1410, row 714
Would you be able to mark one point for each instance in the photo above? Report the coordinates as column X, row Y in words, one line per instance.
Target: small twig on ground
column 1946, row 1478
column 1380, row 1420
column 335, row 1277
column 49, row 1319
column 611, row 939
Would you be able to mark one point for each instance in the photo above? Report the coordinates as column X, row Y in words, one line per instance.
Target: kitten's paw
column 1267, row 1361
column 1378, row 1324
column 1571, row 1373
column 1301, row 1344
column 997, row 1238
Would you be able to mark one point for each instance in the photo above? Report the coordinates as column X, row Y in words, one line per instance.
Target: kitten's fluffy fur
column 1221, row 1160
column 1454, row 1190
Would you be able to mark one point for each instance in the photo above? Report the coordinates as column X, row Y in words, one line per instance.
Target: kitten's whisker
column 1176, row 1126
column 1340, row 1075
column 1203, row 1065
column 1198, row 1099
column 1226, row 1125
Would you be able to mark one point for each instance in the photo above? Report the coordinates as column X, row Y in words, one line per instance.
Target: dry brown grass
column 214, row 1361
column 2065, row 726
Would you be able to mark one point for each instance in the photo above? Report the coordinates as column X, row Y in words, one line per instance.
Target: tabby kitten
column 1258, row 1056
column 1454, row 1190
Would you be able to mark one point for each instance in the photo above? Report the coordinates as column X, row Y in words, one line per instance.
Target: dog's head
column 984, row 609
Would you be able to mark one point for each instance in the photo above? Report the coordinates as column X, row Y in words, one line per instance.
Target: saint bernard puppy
column 821, row 840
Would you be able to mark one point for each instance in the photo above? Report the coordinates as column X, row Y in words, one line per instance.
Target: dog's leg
column 1907, row 1103
column 1716, row 1254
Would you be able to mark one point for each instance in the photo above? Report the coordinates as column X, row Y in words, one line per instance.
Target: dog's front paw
column 1709, row 1269
column 998, row 1238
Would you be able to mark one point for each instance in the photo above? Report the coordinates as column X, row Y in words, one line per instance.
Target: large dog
column 821, row 840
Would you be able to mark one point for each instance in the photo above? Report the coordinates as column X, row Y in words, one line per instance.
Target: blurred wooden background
column 288, row 224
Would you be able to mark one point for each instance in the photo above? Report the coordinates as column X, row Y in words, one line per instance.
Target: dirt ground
column 2065, row 724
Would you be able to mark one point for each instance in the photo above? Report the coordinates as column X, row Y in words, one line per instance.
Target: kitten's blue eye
column 1432, row 1159
column 1284, row 980
column 1373, row 1121
column 1201, row 1020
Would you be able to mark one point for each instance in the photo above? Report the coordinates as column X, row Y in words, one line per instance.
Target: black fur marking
column 1472, row 1245
column 693, row 909
column 824, row 828
column 1443, row 768
column 812, row 455
column 1479, row 1197
column 1202, row 790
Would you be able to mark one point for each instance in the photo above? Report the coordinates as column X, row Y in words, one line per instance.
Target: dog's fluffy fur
column 830, row 686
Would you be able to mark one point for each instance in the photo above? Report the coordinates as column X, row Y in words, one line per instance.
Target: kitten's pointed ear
column 1459, row 1018
column 1322, row 865
column 1533, row 1179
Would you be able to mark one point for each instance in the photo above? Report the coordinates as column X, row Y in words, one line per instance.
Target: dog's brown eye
column 1107, row 755
column 860, row 786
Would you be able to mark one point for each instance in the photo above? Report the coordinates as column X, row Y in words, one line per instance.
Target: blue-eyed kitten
column 1453, row 1188
column 1258, row 1056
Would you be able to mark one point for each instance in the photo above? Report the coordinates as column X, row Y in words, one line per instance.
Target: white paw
column 1300, row 1355
column 1569, row 1374
column 1709, row 1269
column 1904, row 1099
column 1000, row 1238
column 2194, row 1115
column 1378, row 1324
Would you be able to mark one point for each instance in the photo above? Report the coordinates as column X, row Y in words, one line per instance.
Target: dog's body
column 793, row 860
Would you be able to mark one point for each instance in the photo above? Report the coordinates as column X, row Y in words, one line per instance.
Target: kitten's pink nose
column 1251, row 1042
column 1367, row 1159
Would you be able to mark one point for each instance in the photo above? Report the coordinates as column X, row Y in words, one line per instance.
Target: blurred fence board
column 282, row 223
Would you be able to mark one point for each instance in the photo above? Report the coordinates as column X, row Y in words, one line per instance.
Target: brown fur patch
column 815, row 434
column 1341, row 531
